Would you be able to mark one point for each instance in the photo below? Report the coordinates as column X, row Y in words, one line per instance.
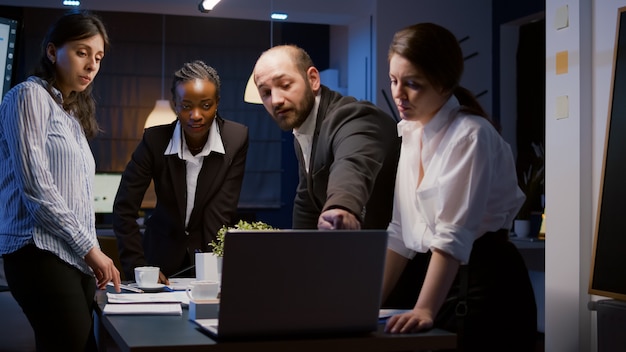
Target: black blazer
column 166, row 242
column 353, row 163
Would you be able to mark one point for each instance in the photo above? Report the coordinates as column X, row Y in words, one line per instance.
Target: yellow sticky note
column 561, row 62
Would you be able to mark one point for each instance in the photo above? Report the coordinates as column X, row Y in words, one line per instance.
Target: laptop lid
column 301, row 282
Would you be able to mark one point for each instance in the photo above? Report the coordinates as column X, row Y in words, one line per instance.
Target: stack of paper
column 163, row 303
column 144, row 309
column 161, row 297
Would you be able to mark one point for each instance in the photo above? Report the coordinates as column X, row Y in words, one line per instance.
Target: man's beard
column 307, row 106
column 300, row 112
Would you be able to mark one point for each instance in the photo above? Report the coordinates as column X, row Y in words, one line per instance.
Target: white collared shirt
column 193, row 163
column 469, row 185
column 304, row 134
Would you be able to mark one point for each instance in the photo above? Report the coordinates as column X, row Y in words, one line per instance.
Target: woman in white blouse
column 455, row 199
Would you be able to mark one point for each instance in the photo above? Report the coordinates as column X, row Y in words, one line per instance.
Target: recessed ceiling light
column 71, row 3
column 279, row 16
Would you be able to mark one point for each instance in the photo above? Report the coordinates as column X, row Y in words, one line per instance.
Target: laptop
column 296, row 283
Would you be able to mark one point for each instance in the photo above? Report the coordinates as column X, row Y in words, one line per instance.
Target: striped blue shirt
column 46, row 176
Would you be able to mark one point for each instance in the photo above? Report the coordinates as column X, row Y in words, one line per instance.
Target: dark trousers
column 56, row 298
column 502, row 313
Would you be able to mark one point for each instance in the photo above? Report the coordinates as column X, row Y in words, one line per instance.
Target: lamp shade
column 251, row 95
column 162, row 114
column 207, row 5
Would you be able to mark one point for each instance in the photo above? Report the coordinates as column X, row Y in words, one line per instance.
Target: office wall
column 339, row 54
column 470, row 19
column 568, row 180
column 360, row 68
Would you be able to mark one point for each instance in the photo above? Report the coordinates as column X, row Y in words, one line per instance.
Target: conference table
column 178, row 333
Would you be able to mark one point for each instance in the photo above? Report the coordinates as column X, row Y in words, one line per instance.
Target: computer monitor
column 104, row 191
column 8, row 37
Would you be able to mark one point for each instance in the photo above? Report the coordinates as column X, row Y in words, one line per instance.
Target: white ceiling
column 334, row 12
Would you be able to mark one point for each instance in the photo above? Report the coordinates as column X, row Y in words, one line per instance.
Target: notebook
column 288, row 283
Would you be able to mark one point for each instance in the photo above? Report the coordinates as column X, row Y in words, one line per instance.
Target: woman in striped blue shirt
column 52, row 259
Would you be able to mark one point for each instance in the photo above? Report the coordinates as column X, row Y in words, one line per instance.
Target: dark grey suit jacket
column 353, row 163
column 166, row 242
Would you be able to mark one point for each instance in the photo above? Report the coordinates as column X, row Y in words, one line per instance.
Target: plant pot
column 208, row 267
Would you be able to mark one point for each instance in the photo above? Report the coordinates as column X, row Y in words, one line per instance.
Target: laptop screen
column 287, row 282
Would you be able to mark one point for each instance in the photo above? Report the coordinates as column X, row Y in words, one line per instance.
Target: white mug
column 202, row 291
column 147, row 276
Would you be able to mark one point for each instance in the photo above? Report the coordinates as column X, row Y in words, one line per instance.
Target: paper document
column 386, row 313
column 144, row 309
column 161, row 297
column 211, row 325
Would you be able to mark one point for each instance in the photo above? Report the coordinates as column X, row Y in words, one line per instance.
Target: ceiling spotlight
column 71, row 3
column 207, row 5
column 279, row 16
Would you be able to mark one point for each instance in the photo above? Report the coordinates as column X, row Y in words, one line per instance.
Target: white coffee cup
column 202, row 291
column 147, row 276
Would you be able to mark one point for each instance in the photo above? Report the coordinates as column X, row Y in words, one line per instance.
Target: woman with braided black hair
column 197, row 165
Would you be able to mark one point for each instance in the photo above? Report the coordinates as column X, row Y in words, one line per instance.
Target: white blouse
column 193, row 163
column 469, row 186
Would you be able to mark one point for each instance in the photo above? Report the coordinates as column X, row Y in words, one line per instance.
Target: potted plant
column 209, row 265
column 531, row 183
column 218, row 243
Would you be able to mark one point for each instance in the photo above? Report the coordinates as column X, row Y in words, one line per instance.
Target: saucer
column 152, row 288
